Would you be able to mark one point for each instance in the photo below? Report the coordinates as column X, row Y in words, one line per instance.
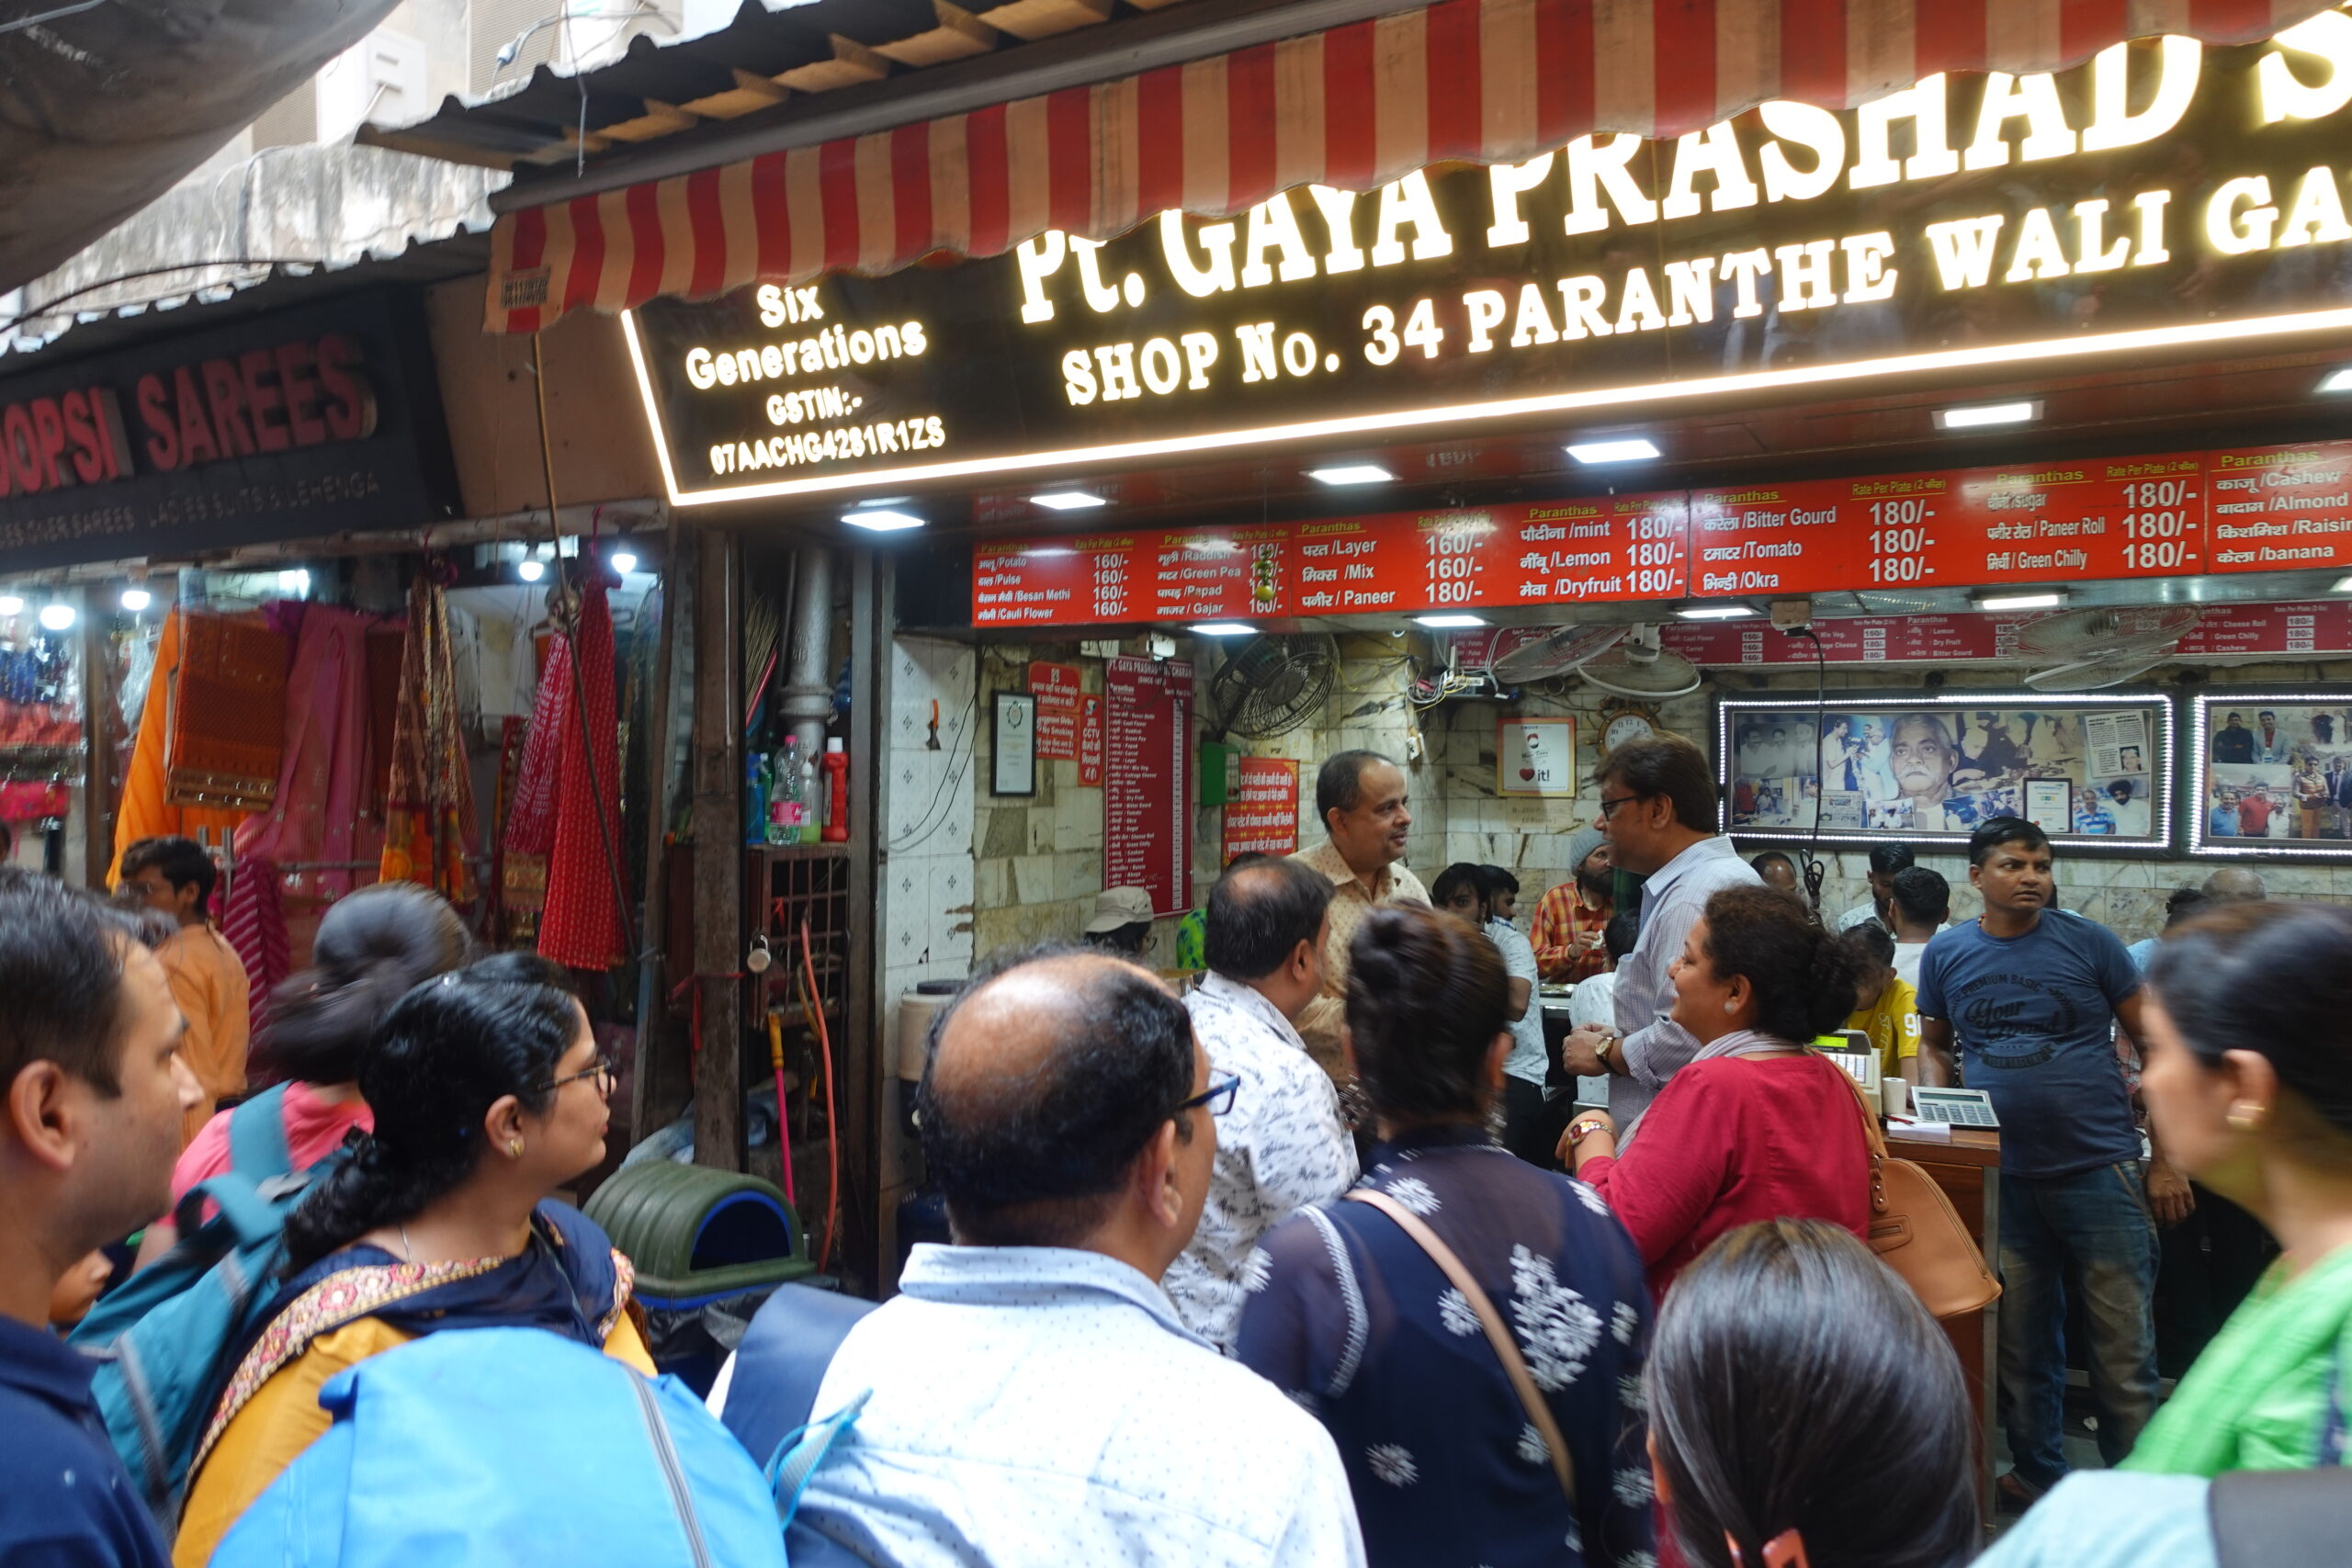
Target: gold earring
column 2243, row 1118
column 514, row 1148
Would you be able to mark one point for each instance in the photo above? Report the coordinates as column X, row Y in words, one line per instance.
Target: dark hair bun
column 1426, row 997
column 372, row 947
column 1806, row 979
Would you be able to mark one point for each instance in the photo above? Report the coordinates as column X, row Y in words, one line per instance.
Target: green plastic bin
column 698, row 1235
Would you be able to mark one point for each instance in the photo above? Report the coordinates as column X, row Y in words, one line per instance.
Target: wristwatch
column 1608, row 1043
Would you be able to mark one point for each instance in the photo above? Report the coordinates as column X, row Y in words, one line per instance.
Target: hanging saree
column 429, row 813
column 583, row 925
column 145, row 811
column 531, row 811
column 363, row 1301
column 323, row 810
column 228, row 713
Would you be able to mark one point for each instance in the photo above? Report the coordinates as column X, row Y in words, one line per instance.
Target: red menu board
column 2318, row 626
column 1089, row 741
column 1813, row 536
column 1264, row 813
column 1056, row 687
column 1610, row 548
column 2104, row 518
column 1148, row 780
column 2280, row 507
column 1216, row 574
column 1869, row 639
column 1055, row 582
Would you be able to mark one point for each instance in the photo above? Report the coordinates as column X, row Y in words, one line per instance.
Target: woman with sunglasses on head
column 488, row 1094
column 1354, row 1315
column 1806, row 1412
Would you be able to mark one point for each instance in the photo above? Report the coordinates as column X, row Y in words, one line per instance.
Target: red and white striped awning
column 1484, row 81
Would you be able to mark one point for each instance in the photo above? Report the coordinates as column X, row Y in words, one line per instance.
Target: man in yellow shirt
column 176, row 877
column 1886, row 1005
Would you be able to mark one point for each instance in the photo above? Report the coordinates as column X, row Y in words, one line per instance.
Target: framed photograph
column 2272, row 772
column 1536, row 758
column 2049, row 805
column 2092, row 769
column 1013, row 769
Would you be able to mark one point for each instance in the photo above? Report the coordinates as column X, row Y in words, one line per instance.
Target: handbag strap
column 1877, row 1141
column 1514, row 1365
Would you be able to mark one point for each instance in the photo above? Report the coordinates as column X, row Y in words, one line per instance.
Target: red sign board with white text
column 1264, row 813
column 1056, row 687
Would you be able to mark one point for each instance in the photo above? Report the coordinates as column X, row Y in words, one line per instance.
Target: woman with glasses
column 488, row 1094
column 1360, row 1321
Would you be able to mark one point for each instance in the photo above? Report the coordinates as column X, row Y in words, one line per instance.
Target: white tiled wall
column 926, row 919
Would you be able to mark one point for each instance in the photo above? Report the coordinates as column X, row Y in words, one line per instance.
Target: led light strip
column 2199, row 842
column 1504, row 407
column 2160, row 773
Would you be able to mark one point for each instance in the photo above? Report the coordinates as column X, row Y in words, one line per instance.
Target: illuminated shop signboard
column 2163, row 193
column 322, row 420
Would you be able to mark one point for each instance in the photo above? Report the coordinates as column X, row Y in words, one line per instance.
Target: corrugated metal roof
column 767, row 57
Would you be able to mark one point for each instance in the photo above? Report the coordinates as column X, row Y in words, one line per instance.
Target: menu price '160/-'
column 1456, row 548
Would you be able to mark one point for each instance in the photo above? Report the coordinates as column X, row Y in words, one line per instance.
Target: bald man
column 2235, row 884
column 1031, row 1396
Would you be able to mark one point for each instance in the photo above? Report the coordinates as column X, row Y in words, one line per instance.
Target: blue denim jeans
column 2091, row 1236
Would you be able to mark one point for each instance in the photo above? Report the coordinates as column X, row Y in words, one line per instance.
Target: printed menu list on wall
column 2165, row 514
column 1148, row 780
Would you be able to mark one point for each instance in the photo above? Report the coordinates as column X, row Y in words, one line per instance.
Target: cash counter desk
column 1967, row 1168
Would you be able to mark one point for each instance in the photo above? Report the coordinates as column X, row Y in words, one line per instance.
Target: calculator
column 1959, row 1106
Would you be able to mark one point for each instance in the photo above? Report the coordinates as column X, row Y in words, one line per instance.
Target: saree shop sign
column 2161, row 194
column 318, row 420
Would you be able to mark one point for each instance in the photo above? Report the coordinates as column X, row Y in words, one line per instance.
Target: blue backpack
column 514, row 1448
column 164, row 1340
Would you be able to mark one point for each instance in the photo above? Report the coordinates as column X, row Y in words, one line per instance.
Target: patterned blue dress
column 1351, row 1318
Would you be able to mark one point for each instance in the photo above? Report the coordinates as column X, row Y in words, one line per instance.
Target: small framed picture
column 2049, row 805
column 1014, row 769
column 1536, row 758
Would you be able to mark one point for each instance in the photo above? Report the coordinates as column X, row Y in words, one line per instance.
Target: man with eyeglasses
column 1283, row 1147
column 1031, row 1394
column 1659, row 810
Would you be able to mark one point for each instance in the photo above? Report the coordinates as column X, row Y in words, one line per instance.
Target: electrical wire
column 1815, row 873
column 48, row 307
column 924, row 827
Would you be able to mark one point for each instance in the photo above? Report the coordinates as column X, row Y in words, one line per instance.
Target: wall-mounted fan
column 2096, row 675
column 1638, row 667
column 1271, row 685
column 2072, row 637
column 1558, row 651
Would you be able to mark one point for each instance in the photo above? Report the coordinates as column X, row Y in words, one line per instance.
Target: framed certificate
column 1014, row 748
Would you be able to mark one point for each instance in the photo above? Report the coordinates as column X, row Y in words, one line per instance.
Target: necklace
column 408, row 1253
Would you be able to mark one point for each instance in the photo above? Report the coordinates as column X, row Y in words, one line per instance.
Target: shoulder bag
column 1916, row 1231
column 1506, row 1352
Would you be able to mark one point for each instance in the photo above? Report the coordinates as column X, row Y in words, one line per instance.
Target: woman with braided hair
column 488, row 1093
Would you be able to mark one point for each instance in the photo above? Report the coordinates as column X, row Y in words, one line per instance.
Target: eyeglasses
column 1217, row 1098
column 601, row 1069
column 1609, row 807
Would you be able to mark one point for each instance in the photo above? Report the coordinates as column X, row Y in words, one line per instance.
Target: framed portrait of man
column 2091, row 769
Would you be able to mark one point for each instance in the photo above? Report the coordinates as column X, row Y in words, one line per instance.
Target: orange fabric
column 144, row 812
column 208, row 980
column 228, row 712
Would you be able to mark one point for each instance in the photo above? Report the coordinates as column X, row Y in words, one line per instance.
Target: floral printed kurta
column 1354, row 1321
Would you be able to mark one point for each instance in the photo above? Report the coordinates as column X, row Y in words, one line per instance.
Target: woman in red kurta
column 1758, row 1126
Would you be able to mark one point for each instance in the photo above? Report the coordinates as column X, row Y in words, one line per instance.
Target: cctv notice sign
column 2163, row 193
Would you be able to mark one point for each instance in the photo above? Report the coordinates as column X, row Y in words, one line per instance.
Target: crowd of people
column 1328, row 1256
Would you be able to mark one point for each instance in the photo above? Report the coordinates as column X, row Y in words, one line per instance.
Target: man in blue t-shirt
column 2030, row 996
column 92, row 1090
